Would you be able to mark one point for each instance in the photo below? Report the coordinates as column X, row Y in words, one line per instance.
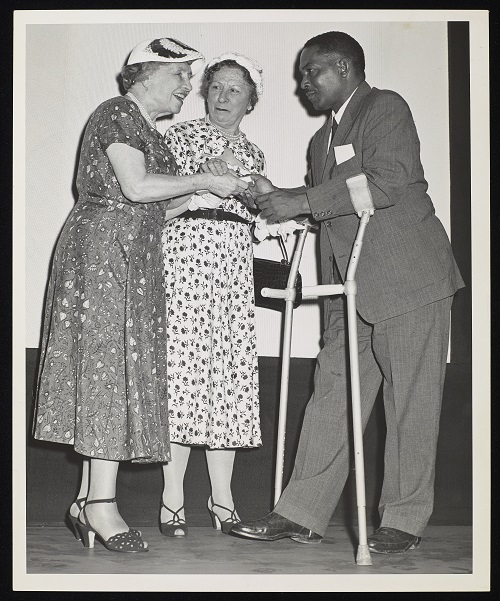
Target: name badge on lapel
column 343, row 153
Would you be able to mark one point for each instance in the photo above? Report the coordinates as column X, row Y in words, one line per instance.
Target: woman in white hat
column 212, row 374
column 102, row 386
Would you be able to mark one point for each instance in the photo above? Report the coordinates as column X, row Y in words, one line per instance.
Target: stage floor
column 53, row 550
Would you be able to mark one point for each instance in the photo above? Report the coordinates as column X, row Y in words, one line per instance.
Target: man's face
column 321, row 80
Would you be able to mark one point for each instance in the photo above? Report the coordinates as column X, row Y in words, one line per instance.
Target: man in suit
column 406, row 278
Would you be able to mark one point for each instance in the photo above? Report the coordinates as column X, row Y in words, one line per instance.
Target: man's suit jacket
column 406, row 261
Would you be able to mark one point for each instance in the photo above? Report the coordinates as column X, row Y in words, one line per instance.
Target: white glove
column 264, row 230
column 204, row 200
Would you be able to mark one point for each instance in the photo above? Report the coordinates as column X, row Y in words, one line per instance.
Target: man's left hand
column 282, row 205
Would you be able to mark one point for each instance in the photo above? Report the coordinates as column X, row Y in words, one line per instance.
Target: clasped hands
column 276, row 205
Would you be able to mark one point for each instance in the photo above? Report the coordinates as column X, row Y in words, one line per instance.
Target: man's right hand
column 283, row 205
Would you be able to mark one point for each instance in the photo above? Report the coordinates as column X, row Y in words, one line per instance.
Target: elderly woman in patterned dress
column 102, row 386
column 212, row 373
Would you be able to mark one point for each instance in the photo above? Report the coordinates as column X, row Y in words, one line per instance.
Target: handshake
column 276, row 205
column 257, row 184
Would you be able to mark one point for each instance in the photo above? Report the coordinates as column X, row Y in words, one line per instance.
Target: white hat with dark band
column 166, row 50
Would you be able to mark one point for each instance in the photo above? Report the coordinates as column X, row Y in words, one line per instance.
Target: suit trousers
column 407, row 354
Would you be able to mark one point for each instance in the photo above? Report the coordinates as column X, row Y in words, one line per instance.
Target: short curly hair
column 132, row 74
column 338, row 42
column 210, row 72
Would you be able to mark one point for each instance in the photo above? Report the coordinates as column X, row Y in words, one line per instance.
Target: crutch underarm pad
column 360, row 194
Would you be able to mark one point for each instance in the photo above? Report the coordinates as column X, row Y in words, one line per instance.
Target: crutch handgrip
column 360, row 194
column 322, row 290
column 286, row 294
column 362, row 202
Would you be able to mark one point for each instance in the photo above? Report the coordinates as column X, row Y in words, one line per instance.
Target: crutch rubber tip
column 363, row 558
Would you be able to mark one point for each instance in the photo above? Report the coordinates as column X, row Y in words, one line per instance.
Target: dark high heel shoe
column 170, row 527
column 218, row 524
column 74, row 521
column 123, row 542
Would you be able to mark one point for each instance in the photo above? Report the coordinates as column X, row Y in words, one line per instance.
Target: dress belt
column 216, row 214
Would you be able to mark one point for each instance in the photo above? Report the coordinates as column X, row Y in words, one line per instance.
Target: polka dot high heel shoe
column 124, row 542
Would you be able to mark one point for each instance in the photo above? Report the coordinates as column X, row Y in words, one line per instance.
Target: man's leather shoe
column 307, row 536
column 274, row 526
column 391, row 540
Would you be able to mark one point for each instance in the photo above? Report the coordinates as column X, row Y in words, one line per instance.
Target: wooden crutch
column 363, row 203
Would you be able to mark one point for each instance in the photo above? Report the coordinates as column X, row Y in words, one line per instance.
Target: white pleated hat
column 251, row 65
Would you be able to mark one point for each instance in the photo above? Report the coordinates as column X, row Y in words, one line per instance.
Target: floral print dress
column 213, row 389
column 102, row 375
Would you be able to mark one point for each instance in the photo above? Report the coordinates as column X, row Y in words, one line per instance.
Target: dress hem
column 136, row 459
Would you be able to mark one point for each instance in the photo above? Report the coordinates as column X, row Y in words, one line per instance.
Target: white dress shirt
column 338, row 115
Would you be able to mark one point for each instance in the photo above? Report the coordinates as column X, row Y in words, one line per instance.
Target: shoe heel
column 74, row 522
column 226, row 525
column 88, row 536
column 216, row 523
column 74, row 527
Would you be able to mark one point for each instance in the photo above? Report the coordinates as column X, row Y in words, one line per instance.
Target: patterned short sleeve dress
column 212, row 375
column 102, row 383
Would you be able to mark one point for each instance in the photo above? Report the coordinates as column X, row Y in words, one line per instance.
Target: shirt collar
column 338, row 115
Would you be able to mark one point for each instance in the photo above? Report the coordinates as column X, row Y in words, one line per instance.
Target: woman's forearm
column 154, row 187
column 139, row 186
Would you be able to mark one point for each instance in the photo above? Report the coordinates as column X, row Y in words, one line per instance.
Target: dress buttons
column 322, row 213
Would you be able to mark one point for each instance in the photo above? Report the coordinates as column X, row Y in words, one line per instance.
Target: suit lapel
column 326, row 147
column 320, row 151
column 346, row 123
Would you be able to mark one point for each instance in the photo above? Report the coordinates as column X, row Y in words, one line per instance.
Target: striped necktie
column 332, row 133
